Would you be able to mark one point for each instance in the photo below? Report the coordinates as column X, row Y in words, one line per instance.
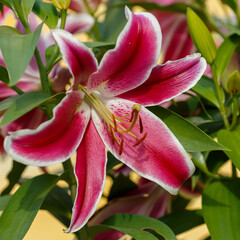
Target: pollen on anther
column 140, row 140
column 111, row 133
column 140, row 123
column 121, row 146
column 114, row 122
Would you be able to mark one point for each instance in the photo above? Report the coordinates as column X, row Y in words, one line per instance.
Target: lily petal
column 159, row 157
column 90, row 171
column 77, row 23
column 168, row 81
column 79, row 59
column 129, row 64
column 56, row 139
column 25, row 86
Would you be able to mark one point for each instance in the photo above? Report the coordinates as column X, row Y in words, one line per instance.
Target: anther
column 111, row 133
column 132, row 115
column 121, row 146
column 115, row 123
column 140, row 123
column 140, row 140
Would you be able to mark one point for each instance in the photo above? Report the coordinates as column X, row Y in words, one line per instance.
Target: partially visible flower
column 103, row 110
column 30, row 81
column 148, row 199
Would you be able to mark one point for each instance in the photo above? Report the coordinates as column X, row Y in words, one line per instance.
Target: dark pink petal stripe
column 168, row 81
column 79, row 59
column 90, row 172
column 130, row 62
column 160, row 157
column 55, row 140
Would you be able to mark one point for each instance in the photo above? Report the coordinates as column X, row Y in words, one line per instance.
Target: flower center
column 118, row 124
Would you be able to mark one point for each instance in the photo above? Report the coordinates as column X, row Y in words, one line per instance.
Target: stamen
column 140, row 123
column 121, row 146
column 132, row 114
column 111, row 133
column 115, row 123
column 140, row 140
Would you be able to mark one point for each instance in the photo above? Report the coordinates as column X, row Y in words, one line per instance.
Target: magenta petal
column 25, row 86
column 160, row 157
column 77, row 23
column 131, row 61
column 90, row 172
column 55, row 140
column 79, row 59
column 168, row 81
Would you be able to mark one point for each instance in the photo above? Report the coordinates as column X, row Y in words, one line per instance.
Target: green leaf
column 221, row 207
column 59, row 202
column 22, row 105
column 201, row 36
column 121, row 185
column 191, row 137
column 112, row 161
column 24, row 205
column 224, row 53
column 183, row 220
column 48, row 53
column 14, row 176
column 99, row 44
column 231, row 3
column 205, row 88
column 4, row 75
column 28, row 5
column 5, row 104
column 8, row 3
column 4, row 201
column 17, row 50
column 43, row 10
column 114, row 22
column 134, row 226
column 231, row 140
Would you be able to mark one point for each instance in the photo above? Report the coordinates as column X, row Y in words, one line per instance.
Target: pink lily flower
column 102, row 110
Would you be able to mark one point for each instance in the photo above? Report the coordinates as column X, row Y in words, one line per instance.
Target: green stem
column 235, row 113
column 220, row 99
column 71, row 180
column 51, row 61
column 17, row 90
column 20, row 13
column 43, row 73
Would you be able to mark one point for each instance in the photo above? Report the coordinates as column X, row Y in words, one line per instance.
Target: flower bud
column 233, row 83
column 61, row 4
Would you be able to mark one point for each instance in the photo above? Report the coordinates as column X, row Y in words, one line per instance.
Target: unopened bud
column 61, row 4
column 233, row 83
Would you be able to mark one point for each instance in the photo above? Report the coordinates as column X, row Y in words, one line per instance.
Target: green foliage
column 43, row 10
column 22, row 208
column 205, row 88
column 134, row 226
column 221, row 206
column 14, row 176
column 22, row 105
column 231, row 140
column 192, row 138
column 224, row 53
column 201, row 36
column 183, row 220
column 4, row 75
column 13, row 45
